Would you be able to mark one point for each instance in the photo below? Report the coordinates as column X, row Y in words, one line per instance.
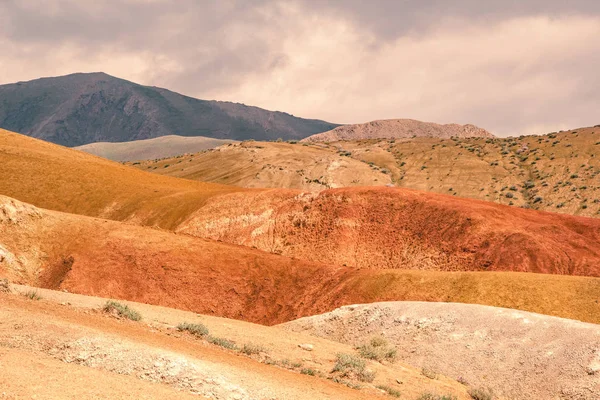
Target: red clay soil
column 394, row 228
column 112, row 259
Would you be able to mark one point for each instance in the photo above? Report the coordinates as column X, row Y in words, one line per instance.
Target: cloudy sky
column 512, row 67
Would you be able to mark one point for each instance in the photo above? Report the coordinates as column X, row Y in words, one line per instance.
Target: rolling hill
column 557, row 172
column 105, row 258
column 269, row 165
column 398, row 129
column 376, row 228
column 78, row 109
column 160, row 147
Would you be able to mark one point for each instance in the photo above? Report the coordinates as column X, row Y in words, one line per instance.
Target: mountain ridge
column 83, row 108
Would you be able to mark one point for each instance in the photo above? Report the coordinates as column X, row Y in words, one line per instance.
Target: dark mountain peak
column 82, row 108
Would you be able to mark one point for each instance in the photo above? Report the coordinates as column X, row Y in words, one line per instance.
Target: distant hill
column 150, row 149
column 82, row 108
column 398, row 129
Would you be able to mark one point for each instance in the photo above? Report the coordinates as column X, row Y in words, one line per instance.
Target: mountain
column 78, row 109
column 148, row 149
column 398, row 129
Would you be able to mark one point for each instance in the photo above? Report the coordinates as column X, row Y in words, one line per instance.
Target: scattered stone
column 307, row 347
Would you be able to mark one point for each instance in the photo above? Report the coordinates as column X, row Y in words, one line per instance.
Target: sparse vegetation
column 350, row 366
column 377, row 349
column 33, row 295
column 429, row 373
column 389, row 390
column 252, row 349
column 225, row 343
column 198, row 329
column 308, row 371
column 481, row 394
column 431, row 396
column 121, row 310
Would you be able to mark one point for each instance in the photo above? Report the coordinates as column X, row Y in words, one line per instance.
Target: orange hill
column 112, row 259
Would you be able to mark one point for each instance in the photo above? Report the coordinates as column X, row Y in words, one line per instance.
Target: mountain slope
column 78, row 109
column 398, row 129
column 147, row 149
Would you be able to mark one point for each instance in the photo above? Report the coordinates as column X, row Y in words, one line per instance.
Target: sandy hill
column 107, row 258
column 58, row 178
column 398, row 129
column 80, row 108
column 161, row 147
column 270, row 165
column 64, row 346
column 519, row 355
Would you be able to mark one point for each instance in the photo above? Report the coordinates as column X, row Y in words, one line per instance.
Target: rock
column 307, row 347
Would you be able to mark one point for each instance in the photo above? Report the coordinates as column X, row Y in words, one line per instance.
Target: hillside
column 161, row 147
column 81, row 108
column 378, row 228
column 557, row 172
column 105, row 258
column 383, row 228
column 269, row 165
column 64, row 346
column 58, row 178
column 398, row 129
column 519, row 355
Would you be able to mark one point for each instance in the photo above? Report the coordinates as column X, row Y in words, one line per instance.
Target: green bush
column 195, row 329
column 122, row 310
column 430, row 396
column 308, row 371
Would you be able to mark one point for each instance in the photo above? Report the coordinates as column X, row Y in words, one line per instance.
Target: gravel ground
column 519, row 355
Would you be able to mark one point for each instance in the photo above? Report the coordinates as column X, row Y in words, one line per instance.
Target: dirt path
column 69, row 330
column 520, row 355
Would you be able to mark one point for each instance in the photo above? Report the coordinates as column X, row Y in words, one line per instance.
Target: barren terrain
column 161, row 147
column 79, row 351
column 519, row 355
column 398, row 129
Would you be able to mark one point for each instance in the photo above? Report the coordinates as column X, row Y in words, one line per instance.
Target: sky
column 512, row 67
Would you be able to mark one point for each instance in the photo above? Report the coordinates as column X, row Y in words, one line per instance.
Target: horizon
column 507, row 68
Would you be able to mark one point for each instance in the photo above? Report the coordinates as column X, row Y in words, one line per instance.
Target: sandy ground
column 65, row 340
column 519, row 355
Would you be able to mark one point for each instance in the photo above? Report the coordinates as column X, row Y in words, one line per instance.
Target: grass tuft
column 389, row 390
column 33, row 295
column 352, row 366
column 481, row 394
column 122, row 310
column 252, row 349
column 225, row 343
column 198, row 330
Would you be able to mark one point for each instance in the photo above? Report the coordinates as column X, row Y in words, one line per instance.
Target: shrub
column 377, row 349
column 122, row 310
column 509, row 195
column 308, row 371
column 33, row 295
column 195, row 329
column 481, row 394
column 430, row 396
column 352, row 366
column 251, row 349
column 5, row 286
column 429, row 373
column 389, row 390
column 225, row 343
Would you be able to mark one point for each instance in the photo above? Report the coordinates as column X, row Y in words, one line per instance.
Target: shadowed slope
column 112, row 259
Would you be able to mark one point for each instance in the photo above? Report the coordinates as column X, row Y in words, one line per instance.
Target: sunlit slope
column 58, row 178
